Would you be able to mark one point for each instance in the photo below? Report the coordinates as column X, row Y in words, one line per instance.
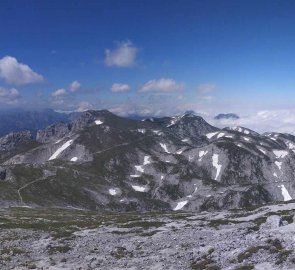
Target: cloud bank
column 161, row 85
column 13, row 72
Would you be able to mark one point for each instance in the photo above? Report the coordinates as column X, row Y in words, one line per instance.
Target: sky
column 152, row 58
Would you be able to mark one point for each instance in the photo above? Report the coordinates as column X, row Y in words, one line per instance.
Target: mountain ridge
column 104, row 162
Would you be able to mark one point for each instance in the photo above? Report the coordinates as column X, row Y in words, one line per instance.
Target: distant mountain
column 20, row 120
column 103, row 162
column 226, row 116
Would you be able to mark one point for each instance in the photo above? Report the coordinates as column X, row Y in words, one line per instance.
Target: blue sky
column 148, row 57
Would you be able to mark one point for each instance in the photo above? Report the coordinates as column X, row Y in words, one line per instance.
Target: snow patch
column 279, row 164
column 246, row 139
column 157, row 132
column 74, row 159
column 185, row 140
column 180, row 205
column 98, row 122
column 285, row 193
column 61, row 149
column 135, row 175
column 164, row 146
column 140, row 188
column 113, row 191
column 141, row 130
column 220, row 135
column 261, row 150
column 216, row 165
column 210, row 135
column 139, row 168
column 290, row 145
column 146, row 160
column 201, row 154
column 280, row 153
column 229, row 136
column 179, row 152
column 173, row 121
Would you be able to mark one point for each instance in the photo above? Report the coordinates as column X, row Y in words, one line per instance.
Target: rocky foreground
column 261, row 238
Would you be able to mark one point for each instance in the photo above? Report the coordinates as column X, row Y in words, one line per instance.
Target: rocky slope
column 75, row 239
column 104, row 162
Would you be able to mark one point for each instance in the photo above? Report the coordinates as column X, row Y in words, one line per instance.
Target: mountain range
column 103, row 162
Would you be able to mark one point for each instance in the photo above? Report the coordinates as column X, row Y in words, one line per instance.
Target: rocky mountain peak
column 14, row 139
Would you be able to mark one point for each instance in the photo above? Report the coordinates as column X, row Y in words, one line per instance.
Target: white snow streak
column 164, row 146
column 280, row 153
column 135, row 175
column 180, row 205
column 139, row 168
column 157, row 132
column 139, row 188
column 210, row 135
column 220, row 135
column 279, row 164
column 141, row 130
column 98, row 122
column 61, row 149
column 216, row 165
column 146, row 160
column 201, row 154
column 113, row 191
column 285, row 193
column 74, row 159
column 261, row 150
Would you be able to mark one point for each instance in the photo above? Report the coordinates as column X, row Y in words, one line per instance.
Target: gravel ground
column 72, row 239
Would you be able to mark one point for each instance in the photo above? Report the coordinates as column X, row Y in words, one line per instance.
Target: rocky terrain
column 258, row 238
column 105, row 192
column 103, row 162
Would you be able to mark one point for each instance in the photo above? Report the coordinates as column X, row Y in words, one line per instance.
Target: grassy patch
column 282, row 256
column 58, row 249
column 249, row 252
column 245, row 267
column 121, row 252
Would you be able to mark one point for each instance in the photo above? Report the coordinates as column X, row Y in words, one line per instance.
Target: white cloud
column 59, row 92
column 206, row 87
column 263, row 121
column 162, row 85
column 13, row 72
column 122, row 56
column 120, row 87
column 74, row 86
column 9, row 96
column 84, row 106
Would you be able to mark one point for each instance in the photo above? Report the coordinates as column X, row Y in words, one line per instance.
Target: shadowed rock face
column 2, row 173
column 14, row 139
column 104, row 162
